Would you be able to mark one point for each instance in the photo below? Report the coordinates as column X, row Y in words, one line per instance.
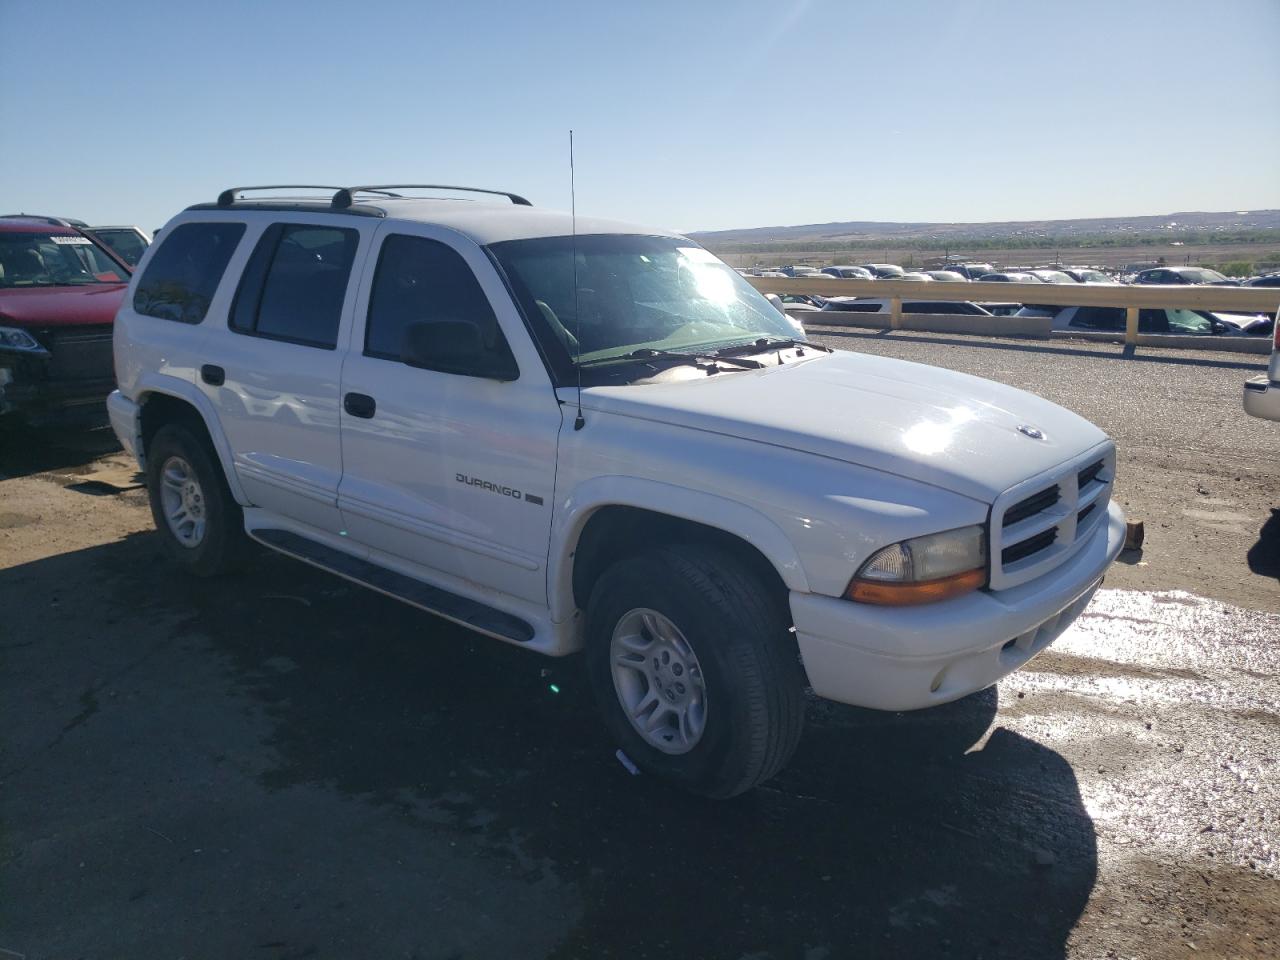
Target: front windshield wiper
column 770, row 343
column 648, row 353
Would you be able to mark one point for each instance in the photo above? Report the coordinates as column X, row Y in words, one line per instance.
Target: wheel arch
column 610, row 517
column 165, row 402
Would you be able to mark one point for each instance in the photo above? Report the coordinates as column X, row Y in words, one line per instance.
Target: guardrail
column 1131, row 298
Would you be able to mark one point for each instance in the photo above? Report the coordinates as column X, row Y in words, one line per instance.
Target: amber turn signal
column 890, row 594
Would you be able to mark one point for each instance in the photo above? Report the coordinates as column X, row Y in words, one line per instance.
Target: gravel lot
column 282, row 765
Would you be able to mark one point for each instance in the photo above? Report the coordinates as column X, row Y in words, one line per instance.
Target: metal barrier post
column 1131, row 325
column 895, row 313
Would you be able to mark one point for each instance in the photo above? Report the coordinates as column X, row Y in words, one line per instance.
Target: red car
column 59, row 291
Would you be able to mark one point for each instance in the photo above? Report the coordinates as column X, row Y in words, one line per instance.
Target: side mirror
column 453, row 346
column 777, row 302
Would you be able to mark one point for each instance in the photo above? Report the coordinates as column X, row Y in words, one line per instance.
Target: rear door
column 451, row 469
column 272, row 363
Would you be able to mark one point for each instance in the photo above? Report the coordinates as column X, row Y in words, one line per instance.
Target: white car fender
column 150, row 383
column 708, row 509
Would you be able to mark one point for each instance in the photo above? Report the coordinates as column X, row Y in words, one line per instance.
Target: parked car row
column 985, row 272
column 1181, row 322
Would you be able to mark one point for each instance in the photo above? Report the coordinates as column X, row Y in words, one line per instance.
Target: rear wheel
column 201, row 526
column 694, row 669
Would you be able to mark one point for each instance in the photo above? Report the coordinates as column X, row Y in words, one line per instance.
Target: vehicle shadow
column 1264, row 556
column 26, row 450
column 890, row 835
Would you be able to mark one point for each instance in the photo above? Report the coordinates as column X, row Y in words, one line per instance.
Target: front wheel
column 694, row 669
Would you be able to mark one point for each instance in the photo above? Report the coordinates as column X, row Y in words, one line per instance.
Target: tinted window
column 942, row 306
column 184, row 273
column 424, row 281
column 126, row 243
column 853, row 306
column 1099, row 318
column 294, row 284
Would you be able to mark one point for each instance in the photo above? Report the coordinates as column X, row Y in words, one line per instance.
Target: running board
column 449, row 605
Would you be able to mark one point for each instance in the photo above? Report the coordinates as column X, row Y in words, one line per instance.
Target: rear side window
column 295, row 283
column 185, row 271
column 1099, row 318
column 853, row 306
column 942, row 306
column 421, row 280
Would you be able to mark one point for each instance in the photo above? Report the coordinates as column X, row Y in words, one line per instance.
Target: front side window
column 421, row 281
column 632, row 293
column 295, row 283
column 55, row 260
column 128, row 245
column 180, row 281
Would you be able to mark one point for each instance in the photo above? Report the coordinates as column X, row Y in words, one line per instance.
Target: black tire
column 740, row 635
column 224, row 544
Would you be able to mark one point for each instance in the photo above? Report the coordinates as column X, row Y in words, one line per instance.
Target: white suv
column 600, row 437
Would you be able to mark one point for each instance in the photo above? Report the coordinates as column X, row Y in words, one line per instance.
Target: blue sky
column 688, row 114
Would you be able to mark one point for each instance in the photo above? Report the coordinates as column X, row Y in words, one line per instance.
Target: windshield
column 633, row 293
column 55, row 260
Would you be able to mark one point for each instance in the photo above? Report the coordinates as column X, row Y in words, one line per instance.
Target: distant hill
column 1193, row 226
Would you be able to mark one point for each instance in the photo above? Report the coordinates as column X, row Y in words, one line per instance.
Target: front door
column 450, row 470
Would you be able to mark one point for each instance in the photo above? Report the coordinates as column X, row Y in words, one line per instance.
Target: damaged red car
column 59, row 291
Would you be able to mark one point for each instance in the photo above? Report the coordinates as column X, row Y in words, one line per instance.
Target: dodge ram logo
column 1035, row 433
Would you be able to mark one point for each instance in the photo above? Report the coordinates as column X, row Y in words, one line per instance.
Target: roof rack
column 52, row 221
column 229, row 196
column 346, row 195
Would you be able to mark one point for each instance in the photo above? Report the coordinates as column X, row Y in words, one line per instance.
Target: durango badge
column 498, row 488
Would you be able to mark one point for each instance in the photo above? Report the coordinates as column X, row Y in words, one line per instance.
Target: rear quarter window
column 184, row 273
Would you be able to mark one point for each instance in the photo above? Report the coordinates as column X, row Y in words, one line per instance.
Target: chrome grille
column 1034, row 504
column 1037, row 524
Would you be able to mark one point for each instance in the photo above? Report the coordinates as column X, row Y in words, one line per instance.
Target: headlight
column 923, row 569
column 15, row 338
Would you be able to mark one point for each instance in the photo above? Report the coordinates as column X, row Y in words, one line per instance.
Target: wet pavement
column 282, row 765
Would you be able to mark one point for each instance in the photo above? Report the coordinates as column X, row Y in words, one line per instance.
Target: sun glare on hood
column 929, row 437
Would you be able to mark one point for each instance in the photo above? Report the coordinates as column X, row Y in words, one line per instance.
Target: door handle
column 360, row 405
column 213, row 375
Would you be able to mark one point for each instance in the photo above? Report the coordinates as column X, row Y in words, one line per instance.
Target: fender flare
column 182, row 390
column 707, row 509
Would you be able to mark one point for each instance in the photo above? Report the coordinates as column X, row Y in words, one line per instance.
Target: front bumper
column 1262, row 398
column 38, row 399
column 125, row 421
column 907, row 658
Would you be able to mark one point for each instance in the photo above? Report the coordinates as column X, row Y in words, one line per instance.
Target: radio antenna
column 578, row 422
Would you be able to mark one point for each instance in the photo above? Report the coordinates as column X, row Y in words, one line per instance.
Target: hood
column 61, row 306
column 924, row 423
